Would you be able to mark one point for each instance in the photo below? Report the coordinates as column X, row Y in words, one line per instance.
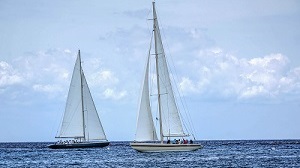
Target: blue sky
column 237, row 64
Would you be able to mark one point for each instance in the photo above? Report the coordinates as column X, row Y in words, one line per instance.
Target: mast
column 157, row 75
column 81, row 92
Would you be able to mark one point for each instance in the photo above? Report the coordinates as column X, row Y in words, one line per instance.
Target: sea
column 223, row 153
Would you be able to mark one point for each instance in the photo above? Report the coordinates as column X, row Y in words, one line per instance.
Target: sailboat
column 170, row 125
column 81, row 126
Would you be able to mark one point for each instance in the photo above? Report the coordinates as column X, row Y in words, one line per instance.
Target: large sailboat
column 170, row 124
column 81, row 126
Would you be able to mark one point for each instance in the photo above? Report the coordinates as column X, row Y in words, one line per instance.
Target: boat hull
column 158, row 147
column 79, row 145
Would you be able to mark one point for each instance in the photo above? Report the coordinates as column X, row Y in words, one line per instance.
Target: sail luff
column 145, row 127
column 72, row 125
column 81, row 92
column 157, row 74
column 169, row 115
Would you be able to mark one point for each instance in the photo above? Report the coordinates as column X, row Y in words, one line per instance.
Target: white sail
column 80, row 119
column 145, row 127
column 171, row 123
column 93, row 129
column 72, row 125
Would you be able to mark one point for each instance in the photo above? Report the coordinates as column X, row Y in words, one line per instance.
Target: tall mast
column 156, row 59
column 81, row 90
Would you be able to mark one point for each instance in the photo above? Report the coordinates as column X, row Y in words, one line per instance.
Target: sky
column 237, row 64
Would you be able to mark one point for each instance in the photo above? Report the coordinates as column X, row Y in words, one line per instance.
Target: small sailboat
column 170, row 125
column 81, row 126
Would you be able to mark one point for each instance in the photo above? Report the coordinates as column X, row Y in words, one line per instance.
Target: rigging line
column 184, row 104
column 175, row 83
column 183, row 121
column 147, row 63
column 71, row 119
column 85, row 110
column 168, row 113
column 183, row 101
column 68, row 104
column 151, row 72
column 60, row 124
column 172, row 76
column 180, row 96
column 185, row 109
column 62, row 115
column 156, row 117
column 152, row 83
column 149, row 29
column 151, row 69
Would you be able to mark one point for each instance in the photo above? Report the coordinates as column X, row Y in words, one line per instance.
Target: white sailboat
column 81, row 126
column 169, row 120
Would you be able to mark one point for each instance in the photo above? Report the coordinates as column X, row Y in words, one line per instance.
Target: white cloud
column 50, row 72
column 47, row 88
column 103, row 78
column 252, row 91
column 187, row 85
column 67, row 51
column 213, row 72
column 8, row 75
column 222, row 74
column 113, row 94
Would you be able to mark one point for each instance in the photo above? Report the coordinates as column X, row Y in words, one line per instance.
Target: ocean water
column 253, row 153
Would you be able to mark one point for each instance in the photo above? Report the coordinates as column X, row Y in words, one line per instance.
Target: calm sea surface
column 269, row 153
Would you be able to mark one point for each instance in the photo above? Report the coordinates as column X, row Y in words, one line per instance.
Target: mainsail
column 93, row 129
column 80, row 119
column 171, row 124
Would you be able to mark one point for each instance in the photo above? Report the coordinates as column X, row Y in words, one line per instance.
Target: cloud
column 221, row 74
column 187, row 85
column 103, row 78
column 47, row 88
column 208, row 71
column 8, row 75
column 113, row 94
column 67, row 51
column 49, row 72
column 140, row 14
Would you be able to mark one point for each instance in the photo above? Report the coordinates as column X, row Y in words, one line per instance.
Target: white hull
column 158, row 147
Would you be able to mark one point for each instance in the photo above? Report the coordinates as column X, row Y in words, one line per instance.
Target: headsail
column 145, row 127
column 72, row 125
column 171, row 123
